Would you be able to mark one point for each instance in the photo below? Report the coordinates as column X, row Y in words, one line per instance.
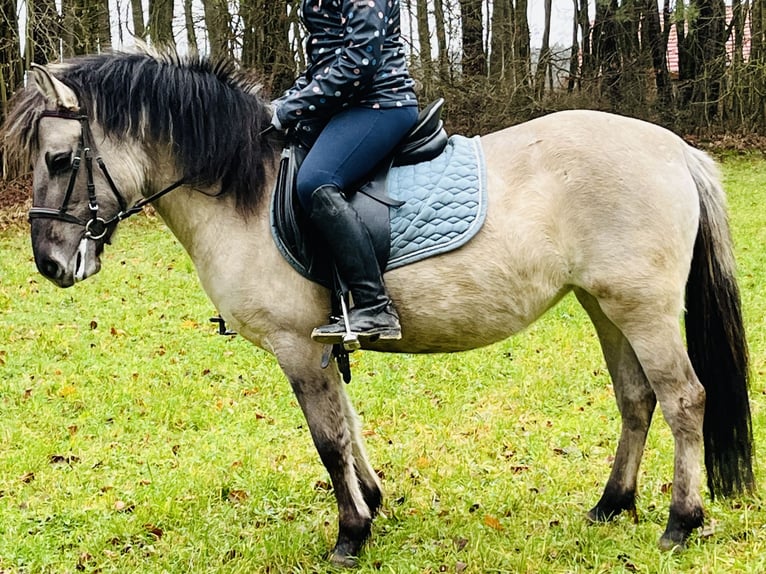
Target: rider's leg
column 347, row 149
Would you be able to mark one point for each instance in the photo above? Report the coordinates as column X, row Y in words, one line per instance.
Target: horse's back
column 577, row 199
column 614, row 195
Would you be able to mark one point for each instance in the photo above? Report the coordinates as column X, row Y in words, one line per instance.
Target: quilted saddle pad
column 445, row 202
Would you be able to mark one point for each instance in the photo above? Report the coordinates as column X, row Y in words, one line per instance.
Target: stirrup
column 345, row 337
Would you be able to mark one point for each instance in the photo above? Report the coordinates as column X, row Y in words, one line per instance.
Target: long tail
column 716, row 339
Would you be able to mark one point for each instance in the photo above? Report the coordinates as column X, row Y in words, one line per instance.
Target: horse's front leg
column 335, row 431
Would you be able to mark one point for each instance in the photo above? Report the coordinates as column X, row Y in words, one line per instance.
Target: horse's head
column 107, row 133
column 76, row 198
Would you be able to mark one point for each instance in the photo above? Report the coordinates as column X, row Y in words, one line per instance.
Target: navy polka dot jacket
column 355, row 58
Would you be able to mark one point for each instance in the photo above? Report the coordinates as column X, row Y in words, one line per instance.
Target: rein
column 96, row 227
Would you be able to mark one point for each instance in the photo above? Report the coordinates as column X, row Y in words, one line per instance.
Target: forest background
column 695, row 66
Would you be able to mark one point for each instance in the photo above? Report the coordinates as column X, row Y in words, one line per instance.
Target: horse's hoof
column 598, row 516
column 344, row 560
column 671, row 543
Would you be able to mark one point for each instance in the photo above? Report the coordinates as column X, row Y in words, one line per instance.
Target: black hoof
column 612, row 504
column 673, row 541
column 349, row 544
column 345, row 560
column 680, row 526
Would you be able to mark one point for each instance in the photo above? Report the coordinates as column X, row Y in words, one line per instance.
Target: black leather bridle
column 96, row 227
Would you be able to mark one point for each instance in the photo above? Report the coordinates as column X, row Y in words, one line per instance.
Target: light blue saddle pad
column 445, row 202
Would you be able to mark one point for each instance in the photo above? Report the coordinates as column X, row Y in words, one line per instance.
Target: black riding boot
column 373, row 315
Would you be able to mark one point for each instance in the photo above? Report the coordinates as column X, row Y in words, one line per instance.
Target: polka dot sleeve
column 344, row 78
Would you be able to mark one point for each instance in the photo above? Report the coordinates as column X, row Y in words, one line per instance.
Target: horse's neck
column 221, row 242
column 239, row 266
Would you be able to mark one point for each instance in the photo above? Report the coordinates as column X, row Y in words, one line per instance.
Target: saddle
column 296, row 238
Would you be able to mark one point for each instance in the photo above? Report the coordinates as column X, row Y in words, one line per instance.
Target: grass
column 134, row 439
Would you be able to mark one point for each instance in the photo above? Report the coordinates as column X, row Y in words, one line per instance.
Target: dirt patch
column 15, row 200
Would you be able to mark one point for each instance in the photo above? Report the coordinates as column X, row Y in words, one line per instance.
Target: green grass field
column 135, row 439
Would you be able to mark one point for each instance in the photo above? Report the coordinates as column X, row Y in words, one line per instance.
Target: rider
column 353, row 104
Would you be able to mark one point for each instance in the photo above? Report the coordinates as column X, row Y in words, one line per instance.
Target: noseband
column 96, row 227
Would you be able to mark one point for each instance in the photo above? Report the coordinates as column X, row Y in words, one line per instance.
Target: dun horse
column 621, row 212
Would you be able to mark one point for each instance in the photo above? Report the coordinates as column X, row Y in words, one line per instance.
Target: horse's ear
column 53, row 89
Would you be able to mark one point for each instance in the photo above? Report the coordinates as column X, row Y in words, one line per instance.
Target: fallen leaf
column 67, row 391
column 238, row 496
column 322, row 485
column 492, row 522
column 63, row 459
column 460, row 543
column 155, row 531
column 122, row 506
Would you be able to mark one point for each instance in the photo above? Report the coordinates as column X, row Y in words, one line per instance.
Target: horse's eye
column 58, row 163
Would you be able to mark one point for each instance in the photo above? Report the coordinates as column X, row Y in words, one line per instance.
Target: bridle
column 96, row 227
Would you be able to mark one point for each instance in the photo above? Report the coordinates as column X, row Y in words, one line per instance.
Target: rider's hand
column 275, row 118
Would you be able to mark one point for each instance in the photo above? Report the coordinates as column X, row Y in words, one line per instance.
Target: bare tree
column 161, row 22
column 474, row 58
column 266, row 42
column 10, row 57
column 139, row 25
column 442, row 56
column 424, row 43
column 191, row 30
column 544, row 61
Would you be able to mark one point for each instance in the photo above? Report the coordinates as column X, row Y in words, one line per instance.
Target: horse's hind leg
column 654, row 334
column 636, row 402
column 323, row 400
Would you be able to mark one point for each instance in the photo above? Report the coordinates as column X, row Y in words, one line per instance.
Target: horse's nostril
column 49, row 268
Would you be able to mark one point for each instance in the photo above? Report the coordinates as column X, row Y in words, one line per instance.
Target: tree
column 161, row 22
column 474, row 58
column 544, row 61
column 10, row 56
column 266, row 41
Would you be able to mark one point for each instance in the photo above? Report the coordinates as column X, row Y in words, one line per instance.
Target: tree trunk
column 587, row 66
column 191, row 32
column 424, row 43
column 544, row 62
column 161, row 23
column 574, row 55
column 501, row 50
column 711, row 36
column 474, row 58
column 139, row 26
column 11, row 69
column 442, row 48
column 266, row 42
column 522, row 53
column 73, row 34
column 43, row 32
column 606, row 50
column 656, row 44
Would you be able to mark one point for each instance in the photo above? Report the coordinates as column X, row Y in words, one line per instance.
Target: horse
column 621, row 212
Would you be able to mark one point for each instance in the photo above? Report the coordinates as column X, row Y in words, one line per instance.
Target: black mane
column 208, row 111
